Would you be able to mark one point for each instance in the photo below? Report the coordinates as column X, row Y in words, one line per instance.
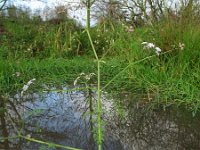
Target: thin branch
column 4, row 3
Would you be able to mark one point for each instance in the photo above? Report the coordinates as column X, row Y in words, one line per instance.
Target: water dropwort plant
column 170, row 79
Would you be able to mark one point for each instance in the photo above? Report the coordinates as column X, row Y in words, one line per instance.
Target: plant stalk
column 99, row 139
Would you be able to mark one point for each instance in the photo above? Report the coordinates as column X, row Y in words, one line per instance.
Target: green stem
column 91, row 43
column 131, row 64
column 71, row 90
column 19, row 135
column 99, row 139
column 48, row 143
column 9, row 138
column 99, row 109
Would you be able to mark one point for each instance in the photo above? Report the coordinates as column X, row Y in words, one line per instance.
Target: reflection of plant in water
column 3, row 122
column 85, row 79
column 18, row 124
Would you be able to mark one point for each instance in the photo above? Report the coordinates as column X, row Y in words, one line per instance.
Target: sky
column 78, row 14
column 75, row 10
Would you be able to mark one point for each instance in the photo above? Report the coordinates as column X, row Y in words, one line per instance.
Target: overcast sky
column 72, row 5
column 75, row 10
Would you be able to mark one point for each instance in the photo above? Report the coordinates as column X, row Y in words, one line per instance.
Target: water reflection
column 169, row 129
column 3, row 127
column 64, row 118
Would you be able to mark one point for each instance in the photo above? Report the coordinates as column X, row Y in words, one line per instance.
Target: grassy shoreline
column 58, row 55
column 163, row 89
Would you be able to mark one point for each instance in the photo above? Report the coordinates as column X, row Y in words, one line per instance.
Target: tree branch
column 4, row 3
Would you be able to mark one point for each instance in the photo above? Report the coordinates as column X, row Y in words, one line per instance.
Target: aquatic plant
column 57, row 54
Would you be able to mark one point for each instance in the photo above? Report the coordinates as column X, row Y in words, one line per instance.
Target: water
column 63, row 118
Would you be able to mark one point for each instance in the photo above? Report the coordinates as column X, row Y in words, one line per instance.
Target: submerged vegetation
column 159, row 59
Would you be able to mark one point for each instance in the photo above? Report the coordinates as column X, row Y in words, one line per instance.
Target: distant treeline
column 132, row 12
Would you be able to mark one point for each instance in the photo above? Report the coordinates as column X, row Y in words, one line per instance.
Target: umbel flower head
column 26, row 86
column 83, row 76
column 147, row 45
column 181, row 46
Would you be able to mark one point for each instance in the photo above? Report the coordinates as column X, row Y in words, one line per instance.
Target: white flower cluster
column 86, row 77
column 26, row 86
column 129, row 28
column 17, row 74
column 181, row 46
column 151, row 46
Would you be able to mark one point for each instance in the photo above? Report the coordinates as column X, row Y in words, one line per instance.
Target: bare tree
column 110, row 10
column 145, row 8
column 2, row 4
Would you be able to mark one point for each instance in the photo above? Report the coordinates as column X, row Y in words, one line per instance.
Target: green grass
column 58, row 53
column 46, row 71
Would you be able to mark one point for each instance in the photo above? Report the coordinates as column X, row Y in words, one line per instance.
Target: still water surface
column 63, row 118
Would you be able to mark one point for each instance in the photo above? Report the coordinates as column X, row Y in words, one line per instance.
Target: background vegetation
column 57, row 50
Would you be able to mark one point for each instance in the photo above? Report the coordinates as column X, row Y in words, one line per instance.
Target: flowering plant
column 151, row 46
